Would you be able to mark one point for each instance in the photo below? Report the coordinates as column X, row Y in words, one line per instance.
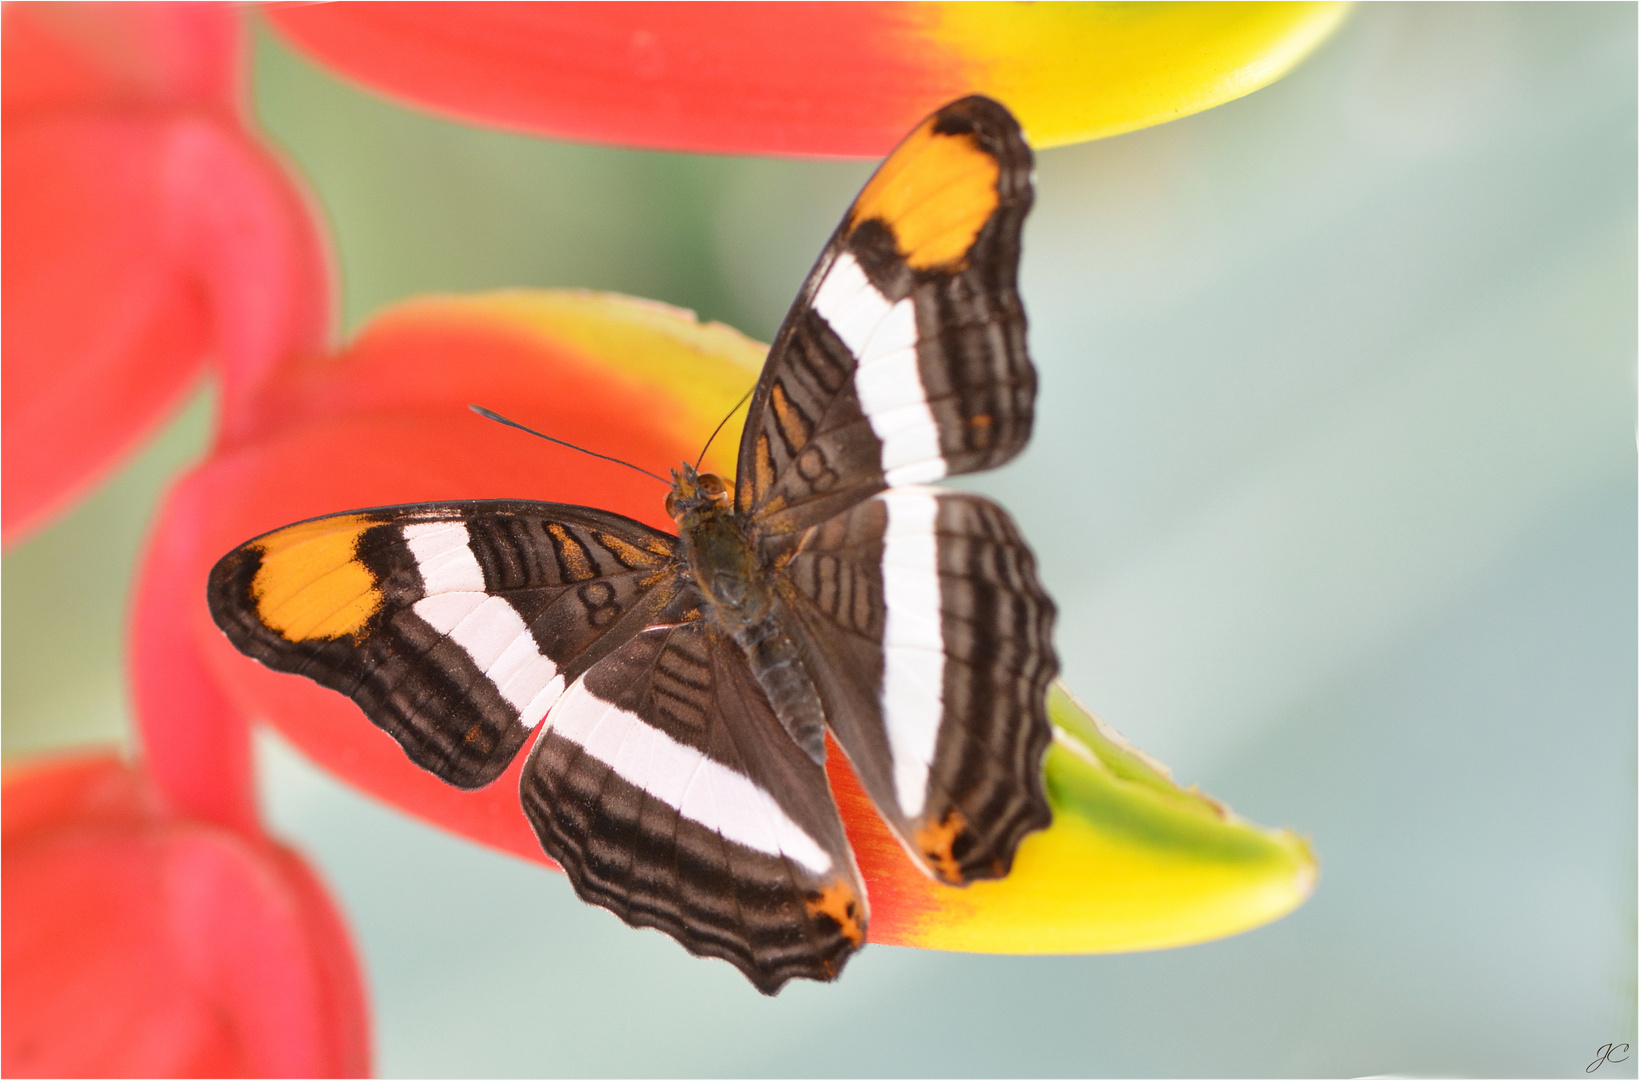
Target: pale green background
column 1333, row 480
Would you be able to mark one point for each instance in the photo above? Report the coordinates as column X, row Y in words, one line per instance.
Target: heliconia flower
column 141, row 943
column 146, row 233
column 1130, row 861
column 806, row 78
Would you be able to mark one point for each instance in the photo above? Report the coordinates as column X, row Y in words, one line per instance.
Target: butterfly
column 679, row 688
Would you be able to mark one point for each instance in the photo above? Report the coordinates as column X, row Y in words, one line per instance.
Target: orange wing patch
column 764, row 465
column 791, row 422
column 310, row 585
column 632, row 555
column 577, row 567
column 936, row 842
column 935, row 192
column 840, row 904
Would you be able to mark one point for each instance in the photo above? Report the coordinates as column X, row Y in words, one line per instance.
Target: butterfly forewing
column 904, row 358
column 669, row 792
column 455, row 626
column 932, row 641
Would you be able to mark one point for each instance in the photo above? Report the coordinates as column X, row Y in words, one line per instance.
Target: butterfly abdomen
column 778, row 668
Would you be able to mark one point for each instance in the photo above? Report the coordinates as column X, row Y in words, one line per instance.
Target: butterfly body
column 738, row 589
column 676, row 691
column 718, row 547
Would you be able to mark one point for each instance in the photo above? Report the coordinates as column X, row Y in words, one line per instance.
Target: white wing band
column 887, row 380
column 487, row 627
column 702, row 790
column 913, row 641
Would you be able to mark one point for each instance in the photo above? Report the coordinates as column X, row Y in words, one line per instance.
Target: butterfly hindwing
column 669, row 792
column 932, row 646
column 455, row 626
column 903, row 359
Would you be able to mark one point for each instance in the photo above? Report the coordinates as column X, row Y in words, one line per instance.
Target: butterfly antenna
column 499, row 419
column 719, row 427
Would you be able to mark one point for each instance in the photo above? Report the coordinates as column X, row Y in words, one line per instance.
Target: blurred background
column 1333, row 480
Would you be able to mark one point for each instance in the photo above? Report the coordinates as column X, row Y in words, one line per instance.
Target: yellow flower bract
column 704, row 367
column 1072, row 71
column 1131, row 862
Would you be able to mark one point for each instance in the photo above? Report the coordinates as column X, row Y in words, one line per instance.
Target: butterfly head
column 695, row 493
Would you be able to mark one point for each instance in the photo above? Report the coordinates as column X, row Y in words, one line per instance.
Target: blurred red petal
column 797, row 78
column 138, row 943
column 136, row 249
column 432, row 357
column 57, row 56
column 196, row 743
column 91, row 788
column 102, row 339
column 141, row 242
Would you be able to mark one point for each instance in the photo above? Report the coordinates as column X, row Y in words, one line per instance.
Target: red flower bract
column 818, row 79
column 139, row 943
column 726, row 78
column 146, row 234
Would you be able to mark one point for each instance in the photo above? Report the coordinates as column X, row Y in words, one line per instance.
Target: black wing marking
column 931, row 647
column 453, row 625
column 903, row 358
column 670, row 794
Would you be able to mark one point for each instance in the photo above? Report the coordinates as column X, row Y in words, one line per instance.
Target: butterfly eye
column 671, row 506
column 713, row 487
